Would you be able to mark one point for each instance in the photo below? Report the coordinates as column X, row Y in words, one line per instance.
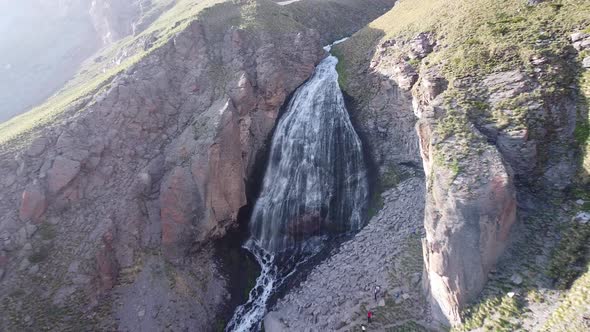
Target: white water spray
column 315, row 185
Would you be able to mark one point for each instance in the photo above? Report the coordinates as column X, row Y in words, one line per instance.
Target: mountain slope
column 498, row 94
column 114, row 190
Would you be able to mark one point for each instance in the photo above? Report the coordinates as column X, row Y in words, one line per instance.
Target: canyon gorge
column 212, row 165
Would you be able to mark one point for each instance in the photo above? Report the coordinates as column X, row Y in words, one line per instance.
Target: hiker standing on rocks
column 377, row 289
column 369, row 316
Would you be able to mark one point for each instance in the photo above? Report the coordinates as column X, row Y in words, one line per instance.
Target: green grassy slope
column 477, row 36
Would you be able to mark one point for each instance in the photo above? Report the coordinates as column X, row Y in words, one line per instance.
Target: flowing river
column 315, row 186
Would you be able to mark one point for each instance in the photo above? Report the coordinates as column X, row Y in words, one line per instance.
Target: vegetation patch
column 570, row 257
column 39, row 255
column 569, row 316
column 582, row 131
column 498, row 313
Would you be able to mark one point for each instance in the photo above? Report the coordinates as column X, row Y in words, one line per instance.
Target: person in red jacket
column 369, row 316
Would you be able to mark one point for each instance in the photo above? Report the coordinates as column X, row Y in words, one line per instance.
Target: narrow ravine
column 315, row 187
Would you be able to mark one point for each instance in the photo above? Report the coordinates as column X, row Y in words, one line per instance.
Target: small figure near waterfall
column 377, row 289
column 369, row 316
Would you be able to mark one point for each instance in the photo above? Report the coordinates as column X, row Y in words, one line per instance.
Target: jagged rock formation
column 158, row 160
column 108, row 210
column 489, row 136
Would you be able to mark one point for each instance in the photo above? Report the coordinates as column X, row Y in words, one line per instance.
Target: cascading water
column 315, row 186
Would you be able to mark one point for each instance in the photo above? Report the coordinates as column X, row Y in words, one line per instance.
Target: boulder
column 33, row 203
column 37, row 147
column 61, row 173
column 582, row 217
column 516, row 279
column 577, row 36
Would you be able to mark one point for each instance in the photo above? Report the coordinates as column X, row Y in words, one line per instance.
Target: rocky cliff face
column 157, row 162
column 488, row 139
column 109, row 209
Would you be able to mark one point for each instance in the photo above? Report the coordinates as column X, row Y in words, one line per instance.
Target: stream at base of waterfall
column 315, row 187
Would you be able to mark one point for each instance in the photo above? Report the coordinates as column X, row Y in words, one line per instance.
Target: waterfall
column 315, row 186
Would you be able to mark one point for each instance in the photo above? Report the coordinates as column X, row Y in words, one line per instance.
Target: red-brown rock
column 178, row 200
column 106, row 264
column 33, row 203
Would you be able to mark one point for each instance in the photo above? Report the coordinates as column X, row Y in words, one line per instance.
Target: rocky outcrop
column 155, row 163
column 381, row 108
column 179, row 201
column 33, row 202
column 483, row 142
column 470, row 208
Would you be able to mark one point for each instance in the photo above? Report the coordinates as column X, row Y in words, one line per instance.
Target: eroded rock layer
column 487, row 137
column 113, row 192
column 155, row 163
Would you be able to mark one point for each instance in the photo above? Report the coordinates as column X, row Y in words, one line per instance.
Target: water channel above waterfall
column 315, row 187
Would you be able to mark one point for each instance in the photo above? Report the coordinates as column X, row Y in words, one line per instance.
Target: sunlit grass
column 475, row 35
column 576, row 301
